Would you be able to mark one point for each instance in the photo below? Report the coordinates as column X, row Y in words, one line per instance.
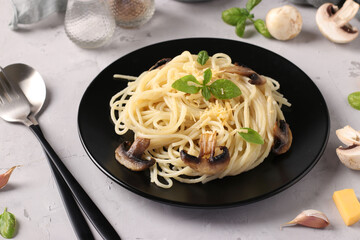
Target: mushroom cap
column 337, row 29
column 350, row 156
column 284, row 23
column 348, row 136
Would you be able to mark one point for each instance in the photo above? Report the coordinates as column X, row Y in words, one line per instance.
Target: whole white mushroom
column 284, row 23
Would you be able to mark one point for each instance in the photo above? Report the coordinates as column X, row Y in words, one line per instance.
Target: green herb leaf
column 261, row 28
column 251, row 4
column 224, row 89
column 207, row 76
column 354, row 100
column 182, row 84
column 7, row 224
column 233, row 15
column 240, row 27
column 220, row 89
column 205, row 91
column 251, row 136
column 203, row 56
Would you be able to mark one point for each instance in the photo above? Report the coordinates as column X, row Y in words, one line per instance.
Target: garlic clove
column 310, row 218
column 4, row 178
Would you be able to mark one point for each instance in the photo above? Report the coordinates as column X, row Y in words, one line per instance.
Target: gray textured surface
column 67, row 69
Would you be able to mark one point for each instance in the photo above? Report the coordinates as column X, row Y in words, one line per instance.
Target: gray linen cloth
column 32, row 11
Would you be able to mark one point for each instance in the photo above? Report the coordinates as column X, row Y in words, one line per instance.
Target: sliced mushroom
column 131, row 158
column 255, row 78
column 348, row 136
column 350, row 155
column 334, row 22
column 160, row 64
column 206, row 162
column 282, row 138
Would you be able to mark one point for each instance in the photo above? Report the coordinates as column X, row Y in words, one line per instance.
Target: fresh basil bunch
column 238, row 16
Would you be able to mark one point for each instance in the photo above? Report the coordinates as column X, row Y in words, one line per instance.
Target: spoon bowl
column 30, row 82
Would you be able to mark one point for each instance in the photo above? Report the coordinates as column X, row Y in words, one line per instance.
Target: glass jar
column 89, row 23
column 132, row 13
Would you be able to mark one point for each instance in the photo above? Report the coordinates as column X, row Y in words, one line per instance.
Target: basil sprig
column 354, row 100
column 203, row 56
column 7, row 224
column 237, row 17
column 220, row 89
column 251, row 136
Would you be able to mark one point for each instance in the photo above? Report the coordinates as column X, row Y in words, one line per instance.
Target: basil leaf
column 233, row 15
column 183, row 86
column 207, row 76
column 261, row 28
column 224, row 89
column 354, row 100
column 203, row 56
column 205, row 91
column 251, row 4
column 251, row 136
column 7, row 224
column 240, row 27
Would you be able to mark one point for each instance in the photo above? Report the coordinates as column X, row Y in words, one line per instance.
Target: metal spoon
column 33, row 86
column 25, row 78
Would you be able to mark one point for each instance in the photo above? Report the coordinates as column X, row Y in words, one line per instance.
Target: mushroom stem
column 138, row 147
column 207, row 145
column 346, row 13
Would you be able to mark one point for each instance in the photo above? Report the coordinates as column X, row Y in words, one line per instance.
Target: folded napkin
column 32, row 11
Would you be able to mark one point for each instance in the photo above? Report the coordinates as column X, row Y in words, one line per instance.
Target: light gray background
column 32, row 194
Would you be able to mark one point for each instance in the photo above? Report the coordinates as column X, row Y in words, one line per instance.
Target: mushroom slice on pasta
column 255, row 79
column 160, row 64
column 282, row 138
column 131, row 158
column 207, row 162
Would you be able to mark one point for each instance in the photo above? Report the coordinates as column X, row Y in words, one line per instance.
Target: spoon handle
column 77, row 219
column 95, row 216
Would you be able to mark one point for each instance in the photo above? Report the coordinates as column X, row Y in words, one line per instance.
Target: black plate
column 308, row 118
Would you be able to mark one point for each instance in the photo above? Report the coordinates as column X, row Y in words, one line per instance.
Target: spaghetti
column 174, row 120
